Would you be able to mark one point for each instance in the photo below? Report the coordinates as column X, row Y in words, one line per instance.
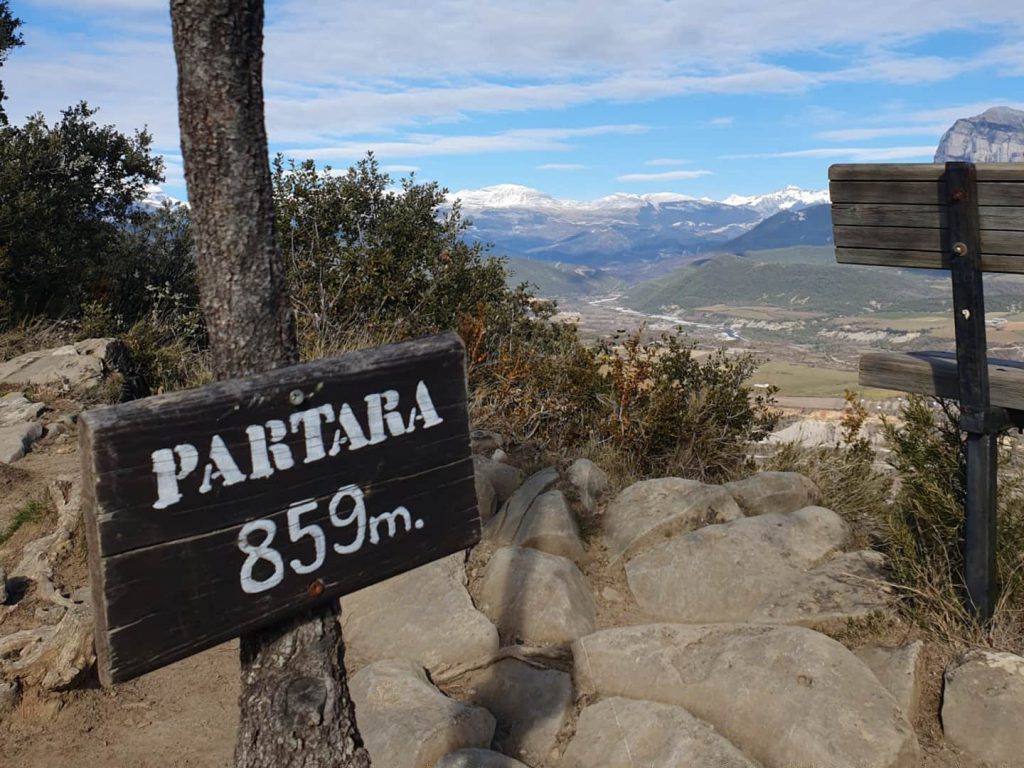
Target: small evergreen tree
column 9, row 38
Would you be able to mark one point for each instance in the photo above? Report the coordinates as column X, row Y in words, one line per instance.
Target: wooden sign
column 216, row 511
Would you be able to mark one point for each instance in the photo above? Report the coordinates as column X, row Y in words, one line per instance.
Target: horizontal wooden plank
column 920, row 239
column 886, row 257
column 992, row 193
column 920, row 171
column 934, row 373
column 222, row 509
column 924, row 216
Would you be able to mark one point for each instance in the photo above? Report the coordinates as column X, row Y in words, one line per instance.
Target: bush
column 924, row 525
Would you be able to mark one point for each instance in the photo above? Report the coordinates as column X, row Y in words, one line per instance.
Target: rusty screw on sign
column 295, row 397
column 960, row 249
column 316, row 588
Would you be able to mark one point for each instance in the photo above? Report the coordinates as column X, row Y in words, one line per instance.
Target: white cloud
column 855, row 154
column 400, row 168
column 562, row 167
column 866, row 134
column 666, row 176
column 426, row 145
column 720, row 122
column 666, row 161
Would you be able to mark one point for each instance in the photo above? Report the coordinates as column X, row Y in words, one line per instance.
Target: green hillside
column 775, row 279
column 557, row 279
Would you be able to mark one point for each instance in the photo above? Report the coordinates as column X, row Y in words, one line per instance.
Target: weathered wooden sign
column 215, row 511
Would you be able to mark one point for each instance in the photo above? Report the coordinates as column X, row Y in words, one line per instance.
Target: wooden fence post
column 979, row 419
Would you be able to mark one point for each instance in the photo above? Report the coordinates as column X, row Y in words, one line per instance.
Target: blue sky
column 578, row 99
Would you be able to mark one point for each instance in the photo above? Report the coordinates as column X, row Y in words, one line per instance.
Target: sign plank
column 216, row 511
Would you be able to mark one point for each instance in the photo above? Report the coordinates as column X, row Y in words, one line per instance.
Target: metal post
column 978, row 418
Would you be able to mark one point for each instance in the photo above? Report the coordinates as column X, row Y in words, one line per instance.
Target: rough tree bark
column 295, row 706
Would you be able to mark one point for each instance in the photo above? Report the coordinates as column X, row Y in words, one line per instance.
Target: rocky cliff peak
column 994, row 136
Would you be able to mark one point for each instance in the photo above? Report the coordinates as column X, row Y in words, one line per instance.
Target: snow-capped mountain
column 618, row 229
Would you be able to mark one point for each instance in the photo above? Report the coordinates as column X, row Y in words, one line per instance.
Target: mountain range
column 622, row 231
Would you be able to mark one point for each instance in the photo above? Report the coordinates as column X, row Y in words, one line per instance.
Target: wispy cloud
column 666, row 176
column 562, row 167
column 400, row 168
column 866, row 134
column 855, row 154
column 721, row 122
column 666, row 161
column 425, row 145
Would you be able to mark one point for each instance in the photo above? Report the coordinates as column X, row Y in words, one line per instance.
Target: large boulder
column 728, row 572
column 83, row 365
column 504, row 526
column 788, row 697
column 621, row 732
column 424, row 614
column 768, row 493
column 15, row 408
column 898, row 669
column 17, row 439
column 531, row 706
column 503, row 477
column 983, row 707
column 535, row 597
column 406, row 722
column 549, row 526
column 650, row 511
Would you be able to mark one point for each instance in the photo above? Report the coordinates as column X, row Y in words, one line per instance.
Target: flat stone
column 617, row 732
column 81, row 365
column 646, row 513
column 770, row 493
column 785, row 696
column 424, row 614
column 589, row 480
column 726, row 572
column 478, row 758
column 549, row 526
column 535, row 597
column 17, row 439
column 406, row 722
column 503, row 527
column 15, row 408
column 898, row 670
column 504, row 477
column 531, row 706
column 983, row 706
column 851, row 585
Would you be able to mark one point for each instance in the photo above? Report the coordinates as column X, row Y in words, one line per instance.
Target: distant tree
column 9, row 38
column 68, row 194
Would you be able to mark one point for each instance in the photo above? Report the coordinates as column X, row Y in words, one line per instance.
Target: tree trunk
column 295, row 705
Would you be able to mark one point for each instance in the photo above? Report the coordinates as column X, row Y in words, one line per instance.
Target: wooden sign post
column 216, row 511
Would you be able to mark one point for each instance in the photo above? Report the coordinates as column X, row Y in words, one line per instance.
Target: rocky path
column 692, row 626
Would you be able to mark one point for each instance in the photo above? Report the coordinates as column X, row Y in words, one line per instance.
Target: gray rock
column 994, row 136
column 503, row 527
column 425, row 614
column 485, row 441
column 531, row 706
column 727, row 572
column 589, row 480
column 851, row 585
column 3, row 585
column 504, row 477
column 406, row 722
column 769, row 493
column 74, row 366
column 499, row 455
column 478, row 758
column 650, row 511
column 785, row 696
column 17, row 439
column 618, row 732
column 983, row 707
column 539, row 598
column 897, row 669
column 15, row 408
column 550, row 527
column 486, row 498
